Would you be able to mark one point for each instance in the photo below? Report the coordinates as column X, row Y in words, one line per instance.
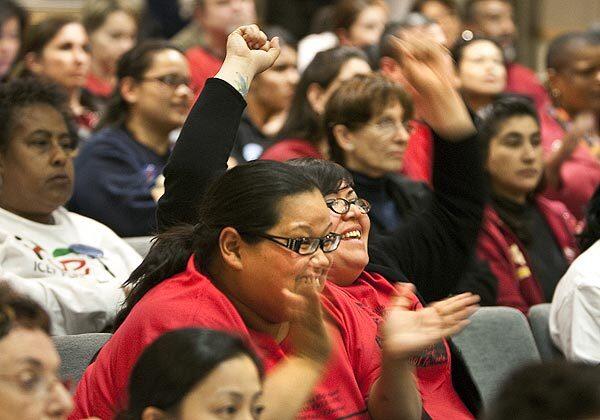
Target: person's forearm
column 395, row 394
column 238, row 73
column 289, row 387
column 449, row 117
column 201, row 152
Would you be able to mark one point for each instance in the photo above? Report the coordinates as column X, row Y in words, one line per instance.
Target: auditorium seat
column 497, row 340
column 140, row 243
column 539, row 316
column 76, row 352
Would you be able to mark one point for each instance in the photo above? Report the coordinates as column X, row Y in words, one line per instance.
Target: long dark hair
column 591, row 232
column 175, row 363
column 134, row 63
column 302, row 121
column 246, row 198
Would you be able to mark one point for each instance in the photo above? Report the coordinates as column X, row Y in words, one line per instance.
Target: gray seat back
column 539, row 316
column 497, row 340
column 76, row 352
column 141, row 244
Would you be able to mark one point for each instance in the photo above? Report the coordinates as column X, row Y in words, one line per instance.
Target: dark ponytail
column 134, row 64
column 246, row 198
column 591, row 232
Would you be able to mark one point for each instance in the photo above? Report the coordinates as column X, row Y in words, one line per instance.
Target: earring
column 555, row 93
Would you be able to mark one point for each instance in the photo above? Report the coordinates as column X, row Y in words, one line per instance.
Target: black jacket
column 415, row 202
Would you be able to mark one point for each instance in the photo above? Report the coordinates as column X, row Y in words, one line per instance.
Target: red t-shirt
column 189, row 299
column 291, row 149
column 433, row 365
column 579, row 174
column 202, row 67
column 522, row 80
column 98, row 87
column 418, row 157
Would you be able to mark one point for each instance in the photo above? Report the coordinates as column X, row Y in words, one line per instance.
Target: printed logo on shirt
column 72, row 261
column 150, row 173
column 431, row 356
column 323, row 405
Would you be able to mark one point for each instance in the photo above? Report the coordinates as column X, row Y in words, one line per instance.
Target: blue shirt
column 114, row 176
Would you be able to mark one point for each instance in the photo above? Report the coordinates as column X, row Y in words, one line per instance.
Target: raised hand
column 427, row 68
column 424, row 65
column 250, row 43
column 249, row 52
column 406, row 332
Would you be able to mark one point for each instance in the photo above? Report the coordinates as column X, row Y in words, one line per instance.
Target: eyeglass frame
column 348, row 204
column 406, row 125
column 161, row 80
column 294, row 244
column 45, row 385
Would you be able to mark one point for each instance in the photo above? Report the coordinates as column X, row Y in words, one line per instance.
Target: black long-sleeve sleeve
column 434, row 246
column 201, row 152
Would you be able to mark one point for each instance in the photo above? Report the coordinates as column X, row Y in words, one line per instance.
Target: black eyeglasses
column 306, row 245
column 171, row 80
column 342, row 206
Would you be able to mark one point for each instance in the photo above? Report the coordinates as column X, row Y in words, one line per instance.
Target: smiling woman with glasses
column 119, row 172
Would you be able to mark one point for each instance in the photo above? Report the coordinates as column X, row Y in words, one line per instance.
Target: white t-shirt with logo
column 73, row 268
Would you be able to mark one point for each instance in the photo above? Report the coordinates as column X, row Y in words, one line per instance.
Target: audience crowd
column 326, row 212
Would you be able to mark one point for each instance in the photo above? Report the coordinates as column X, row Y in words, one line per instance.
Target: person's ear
column 344, row 138
column 230, row 244
column 153, row 413
column 553, row 82
column 315, row 95
column 129, row 90
column 32, row 63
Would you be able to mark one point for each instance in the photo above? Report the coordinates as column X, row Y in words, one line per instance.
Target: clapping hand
column 407, row 332
column 307, row 327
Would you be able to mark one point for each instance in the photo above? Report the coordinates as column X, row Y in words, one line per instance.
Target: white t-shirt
column 575, row 310
column 73, row 268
